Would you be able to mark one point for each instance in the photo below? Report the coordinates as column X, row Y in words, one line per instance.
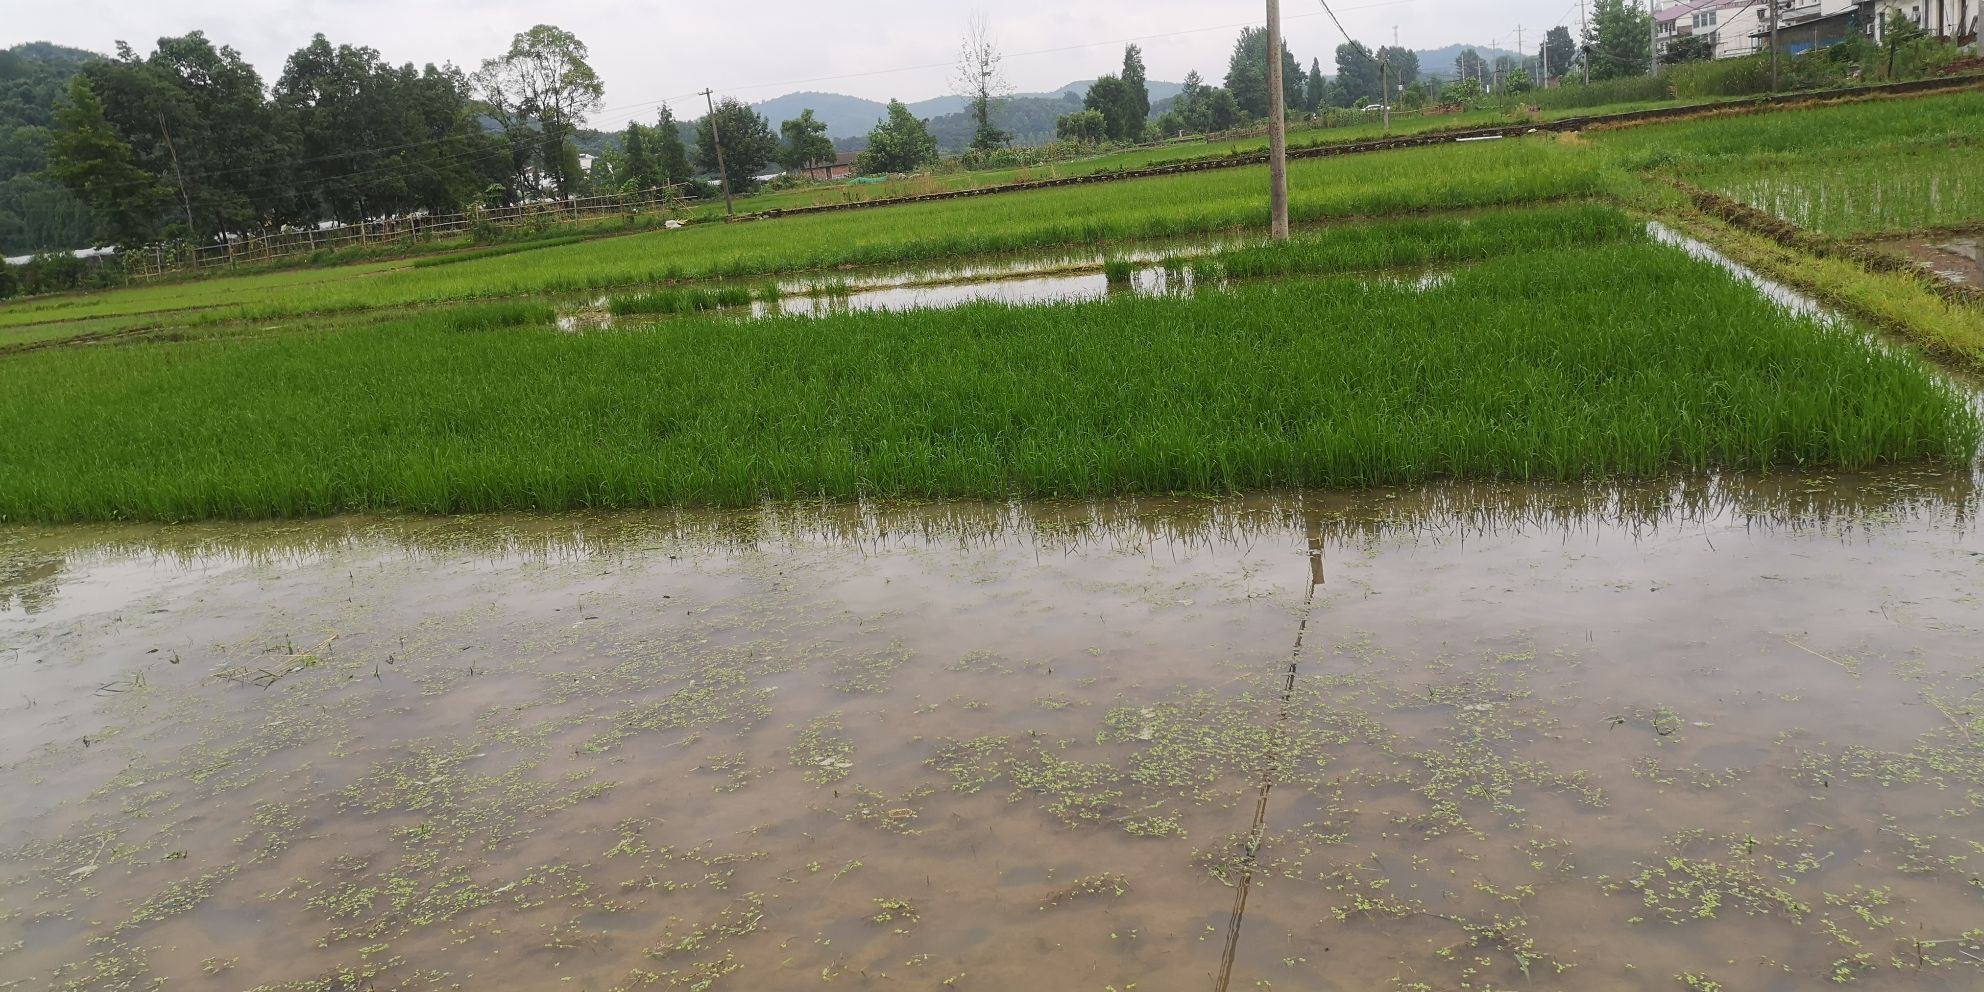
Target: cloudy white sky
column 657, row 50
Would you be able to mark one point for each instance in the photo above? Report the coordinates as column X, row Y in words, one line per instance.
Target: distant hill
column 1440, row 61
column 853, row 117
column 844, row 115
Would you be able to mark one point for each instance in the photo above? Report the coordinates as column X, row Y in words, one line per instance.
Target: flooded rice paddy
column 1957, row 258
column 1711, row 734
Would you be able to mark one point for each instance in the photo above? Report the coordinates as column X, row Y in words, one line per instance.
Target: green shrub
column 1746, row 76
column 1631, row 89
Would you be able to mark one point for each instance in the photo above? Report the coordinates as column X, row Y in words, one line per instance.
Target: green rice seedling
column 660, row 301
column 1626, row 359
column 1205, row 274
column 1118, row 271
column 770, row 293
column 495, row 251
column 1434, row 241
column 676, row 301
column 1853, row 169
column 492, row 316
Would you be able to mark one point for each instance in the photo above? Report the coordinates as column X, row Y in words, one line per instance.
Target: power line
column 1013, row 55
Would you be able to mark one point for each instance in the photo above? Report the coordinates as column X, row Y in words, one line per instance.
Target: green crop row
column 1628, row 359
column 688, row 299
column 1432, row 241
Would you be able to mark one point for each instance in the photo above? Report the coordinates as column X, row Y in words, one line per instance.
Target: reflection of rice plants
column 685, row 300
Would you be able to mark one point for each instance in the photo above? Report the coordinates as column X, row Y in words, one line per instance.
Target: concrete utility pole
column 1653, row 39
column 1584, row 43
column 1385, row 89
column 716, row 139
column 1277, row 131
column 1773, row 44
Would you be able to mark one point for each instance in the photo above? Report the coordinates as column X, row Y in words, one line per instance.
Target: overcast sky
column 651, row 51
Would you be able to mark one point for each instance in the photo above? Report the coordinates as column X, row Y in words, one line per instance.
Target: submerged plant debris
column 1555, row 738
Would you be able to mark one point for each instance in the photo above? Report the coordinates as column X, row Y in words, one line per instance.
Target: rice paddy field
column 1521, row 579
column 1827, row 175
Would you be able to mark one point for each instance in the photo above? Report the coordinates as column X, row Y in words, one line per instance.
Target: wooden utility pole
column 1773, row 44
column 1277, row 131
column 192, row 233
column 716, row 138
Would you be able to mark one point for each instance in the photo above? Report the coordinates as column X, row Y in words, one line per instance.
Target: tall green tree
column 1222, row 110
column 1620, row 42
column 235, row 151
column 899, row 143
column 377, row 139
column 1191, row 104
column 1402, row 65
column 1470, row 66
column 749, row 144
column 88, row 158
column 1136, row 102
column 1356, row 75
column 1113, row 99
column 543, row 83
column 1561, row 51
column 806, row 142
column 1315, row 87
column 671, row 154
column 636, row 167
column 1247, row 73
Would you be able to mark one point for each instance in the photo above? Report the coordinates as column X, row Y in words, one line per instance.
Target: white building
column 1951, row 20
column 1732, row 23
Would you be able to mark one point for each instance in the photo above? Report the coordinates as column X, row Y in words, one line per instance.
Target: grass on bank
column 1631, row 359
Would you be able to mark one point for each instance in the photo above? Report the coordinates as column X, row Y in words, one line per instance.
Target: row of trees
column 1118, row 107
column 186, row 142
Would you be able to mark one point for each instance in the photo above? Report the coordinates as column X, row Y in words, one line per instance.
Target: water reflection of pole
column 1314, row 529
column 1315, row 556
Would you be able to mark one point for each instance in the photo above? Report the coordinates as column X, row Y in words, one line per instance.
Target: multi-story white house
column 1732, row 23
column 1805, row 25
column 1951, row 20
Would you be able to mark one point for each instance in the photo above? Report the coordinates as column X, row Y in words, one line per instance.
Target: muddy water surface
column 1958, row 259
column 1550, row 739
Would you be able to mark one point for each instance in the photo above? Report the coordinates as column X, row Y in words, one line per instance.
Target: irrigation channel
column 1555, row 738
column 1154, row 268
